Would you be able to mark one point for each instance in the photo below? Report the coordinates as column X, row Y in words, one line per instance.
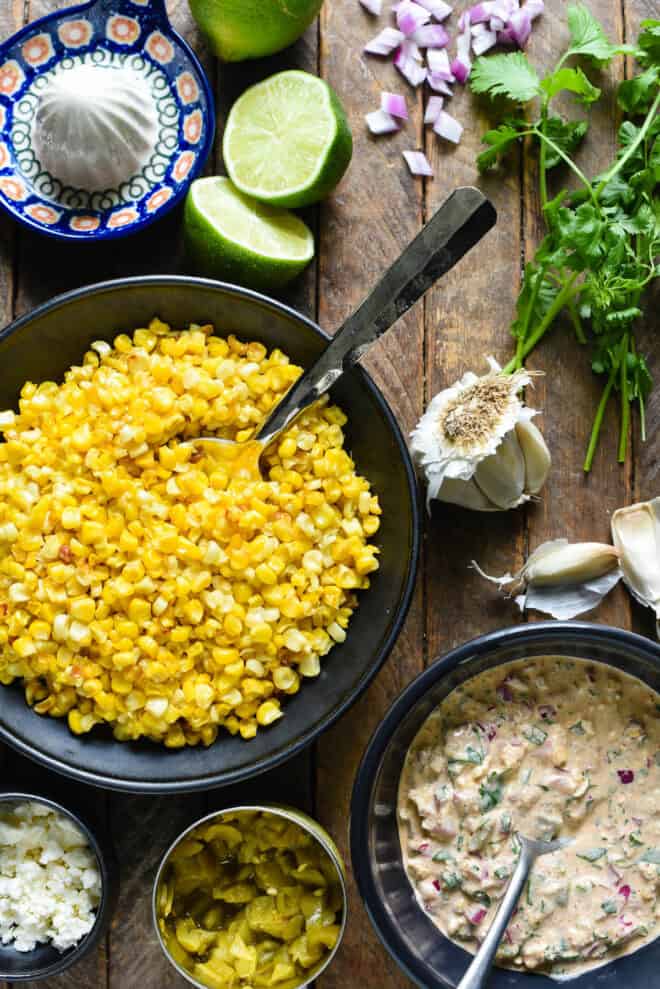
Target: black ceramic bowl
column 414, row 942
column 47, row 341
column 45, row 961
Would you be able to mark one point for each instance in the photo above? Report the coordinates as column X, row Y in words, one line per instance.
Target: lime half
column 229, row 235
column 287, row 140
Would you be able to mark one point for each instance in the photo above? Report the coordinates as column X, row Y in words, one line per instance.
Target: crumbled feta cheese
column 50, row 883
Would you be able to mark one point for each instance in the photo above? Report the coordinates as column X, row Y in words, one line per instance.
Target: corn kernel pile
column 144, row 586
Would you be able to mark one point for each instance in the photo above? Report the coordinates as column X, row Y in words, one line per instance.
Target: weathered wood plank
column 373, row 214
column 646, row 475
column 572, row 504
column 467, row 318
column 143, row 828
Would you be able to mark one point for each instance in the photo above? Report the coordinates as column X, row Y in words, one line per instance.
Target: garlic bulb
column 636, row 535
column 477, row 445
column 563, row 579
column 95, row 127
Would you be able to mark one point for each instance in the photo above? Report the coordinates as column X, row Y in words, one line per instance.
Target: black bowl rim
column 223, row 777
column 73, row 955
column 371, row 760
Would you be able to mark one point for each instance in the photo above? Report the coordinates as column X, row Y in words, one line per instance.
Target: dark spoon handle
column 458, row 225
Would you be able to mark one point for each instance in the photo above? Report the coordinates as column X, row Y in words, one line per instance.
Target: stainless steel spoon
column 530, row 850
column 458, row 225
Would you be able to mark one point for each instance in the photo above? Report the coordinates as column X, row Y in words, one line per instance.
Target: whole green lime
column 240, row 29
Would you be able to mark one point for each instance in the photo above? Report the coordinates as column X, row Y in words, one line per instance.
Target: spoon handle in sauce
column 458, row 225
column 477, row 973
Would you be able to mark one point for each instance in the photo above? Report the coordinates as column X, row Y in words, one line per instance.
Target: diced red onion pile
column 419, row 47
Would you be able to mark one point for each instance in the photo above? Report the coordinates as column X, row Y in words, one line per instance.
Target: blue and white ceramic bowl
column 128, row 34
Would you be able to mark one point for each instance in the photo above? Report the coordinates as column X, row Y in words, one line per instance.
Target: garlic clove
column 466, row 494
column 536, row 454
column 636, row 534
column 561, row 562
column 563, row 579
column 501, row 476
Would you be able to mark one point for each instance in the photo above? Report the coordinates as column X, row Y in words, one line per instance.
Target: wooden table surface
column 376, row 210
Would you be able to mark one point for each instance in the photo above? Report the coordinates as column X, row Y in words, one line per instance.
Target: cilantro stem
column 543, row 172
column 577, row 325
column 625, row 401
column 631, row 149
column 598, row 422
column 531, row 341
column 569, row 161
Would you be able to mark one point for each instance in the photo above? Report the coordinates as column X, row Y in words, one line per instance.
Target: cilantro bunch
column 602, row 241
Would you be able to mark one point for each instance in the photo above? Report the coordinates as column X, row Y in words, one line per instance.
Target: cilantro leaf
column 508, row 75
column 636, row 95
column 536, row 296
column 573, row 80
column 500, row 141
column 566, row 134
column 588, row 37
column 649, row 43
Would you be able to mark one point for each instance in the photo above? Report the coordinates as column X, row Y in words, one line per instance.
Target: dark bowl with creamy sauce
column 427, row 956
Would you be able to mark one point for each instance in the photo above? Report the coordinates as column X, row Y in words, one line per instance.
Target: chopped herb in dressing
column 535, row 735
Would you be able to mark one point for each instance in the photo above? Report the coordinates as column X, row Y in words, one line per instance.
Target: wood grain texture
column 646, row 467
column 467, row 318
column 572, row 504
column 373, row 214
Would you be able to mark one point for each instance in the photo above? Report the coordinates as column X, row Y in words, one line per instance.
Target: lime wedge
column 287, row 140
column 230, row 235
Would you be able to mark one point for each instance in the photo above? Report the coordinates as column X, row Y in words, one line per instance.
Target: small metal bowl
column 312, row 827
column 45, row 961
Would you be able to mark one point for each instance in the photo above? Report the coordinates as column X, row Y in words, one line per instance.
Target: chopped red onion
column 464, row 22
column 411, row 49
column 461, row 67
column 626, row 775
column 381, row 122
column 504, row 692
column 409, row 67
column 437, row 60
column 410, row 16
column 448, row 127
column 394, row 104
column 476, row 917
column 484, row 42
column 418, row 163
column 384, row 43
column 438, row 84
column 436, row 884
column 433, row 108
column 520, row 27
column 424, row 848
column 625, row 891
column 496, row 24
column 534, row 8
column 438, row 8
column 481, row 12
column 431, row 36
column 373, row 6
column 547, row 711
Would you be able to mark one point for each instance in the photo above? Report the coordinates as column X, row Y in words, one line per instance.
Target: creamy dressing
column 548, row 747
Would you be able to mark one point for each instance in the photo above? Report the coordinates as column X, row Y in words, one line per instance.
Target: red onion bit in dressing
column 626, row 775
column 625, row 891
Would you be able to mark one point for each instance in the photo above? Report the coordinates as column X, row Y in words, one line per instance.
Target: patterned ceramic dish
column 133, row 36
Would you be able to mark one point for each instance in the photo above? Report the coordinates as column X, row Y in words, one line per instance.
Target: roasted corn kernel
column 143, row 586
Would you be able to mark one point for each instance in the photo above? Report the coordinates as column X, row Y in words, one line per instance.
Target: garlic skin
column 636, row 535
column 562, row 579
column 477, row 445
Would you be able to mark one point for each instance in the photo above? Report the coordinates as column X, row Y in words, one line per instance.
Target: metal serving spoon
column 458, row 225
column 530, row 850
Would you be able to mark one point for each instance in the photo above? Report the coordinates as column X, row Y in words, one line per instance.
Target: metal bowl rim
column 371, row 762
column 222, row 778
column 73, row 955
column 291, row 814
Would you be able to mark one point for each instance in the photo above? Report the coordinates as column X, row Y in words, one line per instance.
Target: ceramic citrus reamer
column 106, row 116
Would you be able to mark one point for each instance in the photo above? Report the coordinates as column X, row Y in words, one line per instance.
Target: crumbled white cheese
column 50, row 883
